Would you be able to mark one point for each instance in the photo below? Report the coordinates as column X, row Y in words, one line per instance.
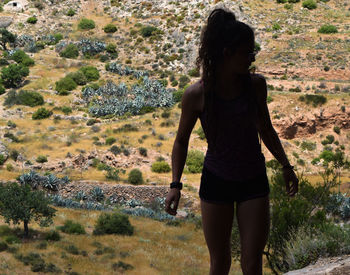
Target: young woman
column 231, row 105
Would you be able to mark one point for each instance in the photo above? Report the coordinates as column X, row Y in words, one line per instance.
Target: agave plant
column 81, row 195
column 97, row 194
column 32, row 178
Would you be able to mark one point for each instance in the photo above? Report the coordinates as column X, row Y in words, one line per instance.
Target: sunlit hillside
column 110, row 76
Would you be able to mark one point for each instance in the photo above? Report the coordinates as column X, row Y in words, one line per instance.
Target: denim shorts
column 217, row 190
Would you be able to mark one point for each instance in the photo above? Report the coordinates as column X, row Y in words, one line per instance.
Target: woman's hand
column 289, row 176
column 173, row 196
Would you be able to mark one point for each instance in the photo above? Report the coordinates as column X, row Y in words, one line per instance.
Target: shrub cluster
column 160, row 167
column 41, row 113
column 110, row 28
column 314, row 99
column 135, row 177
column 71, row 51
column 114, row 223
column 195, row 161
column 71, row 227
column 23, row 97
column 86, row 24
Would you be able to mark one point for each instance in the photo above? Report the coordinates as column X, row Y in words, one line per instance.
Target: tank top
column 238, row 153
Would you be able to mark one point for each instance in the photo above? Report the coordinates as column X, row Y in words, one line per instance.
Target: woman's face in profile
column 241, row 59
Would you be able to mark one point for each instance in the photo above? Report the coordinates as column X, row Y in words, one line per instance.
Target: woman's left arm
column 269, row 135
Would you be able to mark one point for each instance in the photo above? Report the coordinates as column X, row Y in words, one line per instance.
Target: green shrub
column 30, row 98
column 194, row 72
column 42, row 113
column 12, row 75
column 147, row 31
column 114, row 223
column 110, row 140
column 52, row 235
column 22, row 58
column 160, row 167
column 330, row 139
column 78, row 77
column 336, row 129
column 314, row 99
column 2, row 159
column 91, row 73
column 309, row 4
column 306, row 145
column 66, row 110
column 183, row 80
column 327, row 28
column 27, row 98
column 2, row 89
column 177, row 96
column 71, row 227
column 86, row 24
column 65, row 84
column 110, row 28
column 135, row 177
column 58, row 37
column 3, row 246
column 115, row 150
column 143, row 151
column 194, row 161
column 71, row 51
column 32, row 20
column 70, row 12
column 41, row 159
column 111, row 48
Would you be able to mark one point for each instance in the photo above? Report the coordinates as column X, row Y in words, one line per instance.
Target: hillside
column 95, row 138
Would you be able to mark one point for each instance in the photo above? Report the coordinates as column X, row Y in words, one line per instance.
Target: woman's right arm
column 189, row 115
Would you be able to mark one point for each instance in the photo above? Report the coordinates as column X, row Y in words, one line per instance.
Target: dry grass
column 167, row 250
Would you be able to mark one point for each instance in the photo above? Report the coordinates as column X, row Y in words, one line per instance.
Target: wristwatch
column 176, row 184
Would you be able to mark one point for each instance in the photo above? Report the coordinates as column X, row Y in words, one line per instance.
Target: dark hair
column 221, row 31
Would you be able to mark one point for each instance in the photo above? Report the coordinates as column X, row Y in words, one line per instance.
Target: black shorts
column 217, row 190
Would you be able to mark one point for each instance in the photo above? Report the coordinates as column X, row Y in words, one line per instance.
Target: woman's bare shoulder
column 259, row 85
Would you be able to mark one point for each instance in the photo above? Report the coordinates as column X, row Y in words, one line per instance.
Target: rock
column 5, row 21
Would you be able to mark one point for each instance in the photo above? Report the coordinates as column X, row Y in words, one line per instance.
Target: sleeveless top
column 238, row 153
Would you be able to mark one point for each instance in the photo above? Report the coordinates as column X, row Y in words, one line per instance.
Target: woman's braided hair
column 221, row 31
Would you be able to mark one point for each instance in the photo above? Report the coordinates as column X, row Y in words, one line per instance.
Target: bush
column 13, row 75
column 306, row 145
column 52, row 235
column 183, row 80
column 135, row 177
column 3, row 246
column 177, row 96
column 111, row 48
column 194, row 161
column 70, row 12
column 110, row 28
column 66, row 110
column 64, row 85
column 30, row 98
column 115, row 223
column 78, row 77
column 110, row 140
column 336, row 129
column 86, row 24
column 2, row 159
column 42, row 113
column 71, row 227
column 160, row 167
column 24, row 98
column 22, row 58
column 91, row 73
column 194, row 72
column 115, row 150
column 327, row 28
column 32, row 20
column 71, row 51
column 309, row 4
column 147, row 31
column 41, row 159
column 143, row 151
column 314, row 99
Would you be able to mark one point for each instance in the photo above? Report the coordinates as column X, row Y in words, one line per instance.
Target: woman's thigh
column 253, row 218
column 217, row 226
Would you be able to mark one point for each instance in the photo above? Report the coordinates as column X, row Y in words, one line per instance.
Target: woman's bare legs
column 253, row 217
column 217, row 227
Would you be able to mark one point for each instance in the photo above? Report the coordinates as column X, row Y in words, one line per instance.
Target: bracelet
column 288, row 166
column 176, row 184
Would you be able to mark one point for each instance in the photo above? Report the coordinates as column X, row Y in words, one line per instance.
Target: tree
column 21, row 203
column 13, row 75
column 6, row 37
